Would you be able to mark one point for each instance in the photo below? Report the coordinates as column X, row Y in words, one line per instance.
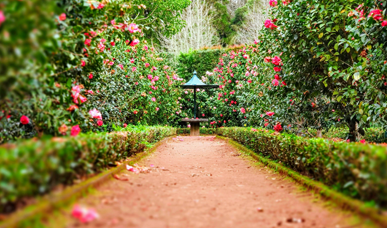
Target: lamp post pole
column 195, row 107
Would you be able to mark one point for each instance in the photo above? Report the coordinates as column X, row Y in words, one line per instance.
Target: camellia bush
column 70, row 65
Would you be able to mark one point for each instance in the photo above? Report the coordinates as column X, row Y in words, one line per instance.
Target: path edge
column 71, row 193
column 337, row 198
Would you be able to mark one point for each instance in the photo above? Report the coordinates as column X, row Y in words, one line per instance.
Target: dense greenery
column 90, row 56
column 25, row 173
column 352, row 168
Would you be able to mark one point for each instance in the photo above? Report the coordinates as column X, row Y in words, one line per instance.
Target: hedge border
column 339, row 199
column 54, row 201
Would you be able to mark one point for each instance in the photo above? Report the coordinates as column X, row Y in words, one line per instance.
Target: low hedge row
column 204, row 131
column 35, row 167
column 355, row 169
column 372, row 134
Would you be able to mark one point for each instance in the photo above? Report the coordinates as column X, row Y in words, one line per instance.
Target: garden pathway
column 204, row 182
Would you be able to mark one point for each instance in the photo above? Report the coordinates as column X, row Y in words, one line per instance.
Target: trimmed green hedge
column 354, row 169
column 35, row 167
column 204, row 131
column 372, row 134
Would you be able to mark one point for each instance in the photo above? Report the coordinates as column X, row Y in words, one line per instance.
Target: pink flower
column 99, row 122
column 150, row 77
column 277, row 128
column 2, row 17
column 134, row 42
column 82, row 98
column 276, row 60
column 111, row 63
column 24, row 120
column 376, row 14
column 267, row 59
column 243, row 110
column 84, row 215
column 131, row 60
column 266, row 124
column 95, row 114
column 275, row 82
column 146, row 48
column 93, row 34
column 277, row 69
column 62, row 17
column 134, row 69
column 153, row 99
column 113, row 22
column 88, row 42
column 245, row 56
column 90, row 75
column 249, row 81
column 157, row 109
column 363, row 141
column 90, row 92
column 255, row 41
column 75, row 130
column 384, row 23
column 147, row 64
column 133, row 28
column 103, row 40
column 273, row 3
column 269, row 24
column 121, row 66
column 125, row 125
column 270, row 113
column 100, row 6
column 101, row 46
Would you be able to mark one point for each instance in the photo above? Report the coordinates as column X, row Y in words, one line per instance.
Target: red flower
column 24, row 120
column 100, row 122
column 384, row 23
column 112, row 43
column 276, row 60
column 125, row 125
column 363, row 141
column 270, row 113
column 277, row 69
column 266, row 124
column 62, row 17
column 283, row 83
column 75, row 130
column 83, row 63
column 277, row 77
column 90, row 75
column 88, row 42
column 134, row 42
column 278, row 128
column 273, row 3
column 275, row 82
column 135, row 112
column 376, row 14
column 269, row 24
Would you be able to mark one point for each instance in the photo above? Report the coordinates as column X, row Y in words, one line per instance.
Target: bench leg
column 195, row 127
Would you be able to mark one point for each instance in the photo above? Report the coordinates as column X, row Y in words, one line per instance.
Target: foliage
column 333, row 65
column 352, row 168
column 34, row 167
column 54, row 70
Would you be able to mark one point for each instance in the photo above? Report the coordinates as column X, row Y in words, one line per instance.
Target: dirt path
column 205, row 183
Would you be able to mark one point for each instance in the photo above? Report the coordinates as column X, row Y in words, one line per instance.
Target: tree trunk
column 353, row 131
column 319, row 134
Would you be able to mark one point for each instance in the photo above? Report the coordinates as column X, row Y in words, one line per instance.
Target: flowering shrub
column 54, row 70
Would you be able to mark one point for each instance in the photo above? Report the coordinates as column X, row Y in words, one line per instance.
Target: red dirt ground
column 203, row 182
